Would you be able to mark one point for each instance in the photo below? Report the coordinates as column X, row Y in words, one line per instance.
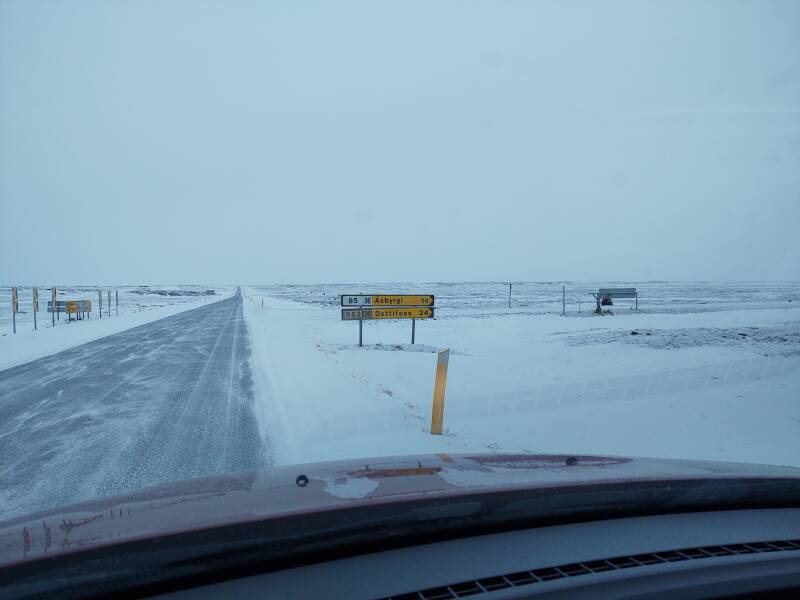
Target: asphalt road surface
column 166, row 401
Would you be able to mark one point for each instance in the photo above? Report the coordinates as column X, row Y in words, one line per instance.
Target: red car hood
column 317, row 488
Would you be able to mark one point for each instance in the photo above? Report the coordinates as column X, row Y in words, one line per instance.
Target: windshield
column 237, row 236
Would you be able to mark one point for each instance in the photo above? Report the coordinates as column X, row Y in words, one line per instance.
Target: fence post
column 14, row 308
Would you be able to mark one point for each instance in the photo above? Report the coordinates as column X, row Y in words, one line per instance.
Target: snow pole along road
column 165, row 401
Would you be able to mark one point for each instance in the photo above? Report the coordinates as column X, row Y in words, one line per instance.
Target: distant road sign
column 617, row 292
column 387, row 300
column 365, row 314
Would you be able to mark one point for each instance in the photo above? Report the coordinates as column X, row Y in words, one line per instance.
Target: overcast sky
column 232, row 141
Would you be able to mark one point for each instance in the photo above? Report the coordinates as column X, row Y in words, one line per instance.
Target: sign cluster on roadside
column 366, row 307
column 80, row 308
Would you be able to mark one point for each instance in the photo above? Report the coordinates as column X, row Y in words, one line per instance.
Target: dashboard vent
column 464, row 589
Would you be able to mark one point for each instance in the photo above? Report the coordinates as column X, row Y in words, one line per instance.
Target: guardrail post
column 442, row 360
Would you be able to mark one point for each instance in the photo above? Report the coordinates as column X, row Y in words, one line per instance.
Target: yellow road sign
column 402, row 313
column 397, row 300
column 365, row 314
column 35, row 299
column 387, row 300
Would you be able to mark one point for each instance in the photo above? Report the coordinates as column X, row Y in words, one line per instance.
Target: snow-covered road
column 165, row 401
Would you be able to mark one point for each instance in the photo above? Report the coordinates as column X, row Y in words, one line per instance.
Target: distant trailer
column 211, row 292
column 604, row 296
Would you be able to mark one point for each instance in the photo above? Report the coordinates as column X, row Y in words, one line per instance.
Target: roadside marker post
column 509, row 295
column 437, row 415
column 100, row 303
column 54, row 304
column 35, row 307
column 413, row 328
column 563, row 300
column 108, row 311
column 116, row 295
column 14, row 308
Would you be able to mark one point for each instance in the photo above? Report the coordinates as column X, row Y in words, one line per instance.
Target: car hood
column 204, row 503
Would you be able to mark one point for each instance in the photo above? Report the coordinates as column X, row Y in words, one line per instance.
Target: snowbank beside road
column 27, row 345
column 520, row 382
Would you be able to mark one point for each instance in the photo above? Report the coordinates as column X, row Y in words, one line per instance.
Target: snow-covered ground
column 704, row 374
column 137, row 306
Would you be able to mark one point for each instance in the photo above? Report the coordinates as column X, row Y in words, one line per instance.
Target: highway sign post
column 367, row 307
column 100, row 303
column 53, row 301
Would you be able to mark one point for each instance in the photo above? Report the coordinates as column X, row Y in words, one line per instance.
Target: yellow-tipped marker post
column 443, row 358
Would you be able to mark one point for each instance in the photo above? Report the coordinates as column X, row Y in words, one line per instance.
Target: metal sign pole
column 116, row 295
column 413, row 328
column 563, row 300
column 53, row 298
column 109, row 303
column 100, row 302
column 509, row 295
column 360, row 331
column 35, row 307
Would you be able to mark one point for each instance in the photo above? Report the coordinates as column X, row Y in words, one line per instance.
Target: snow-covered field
column 545, row 297
column 137, row 306
column 701, row 371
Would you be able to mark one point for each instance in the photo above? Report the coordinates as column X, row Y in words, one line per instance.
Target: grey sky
column 232, row 141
